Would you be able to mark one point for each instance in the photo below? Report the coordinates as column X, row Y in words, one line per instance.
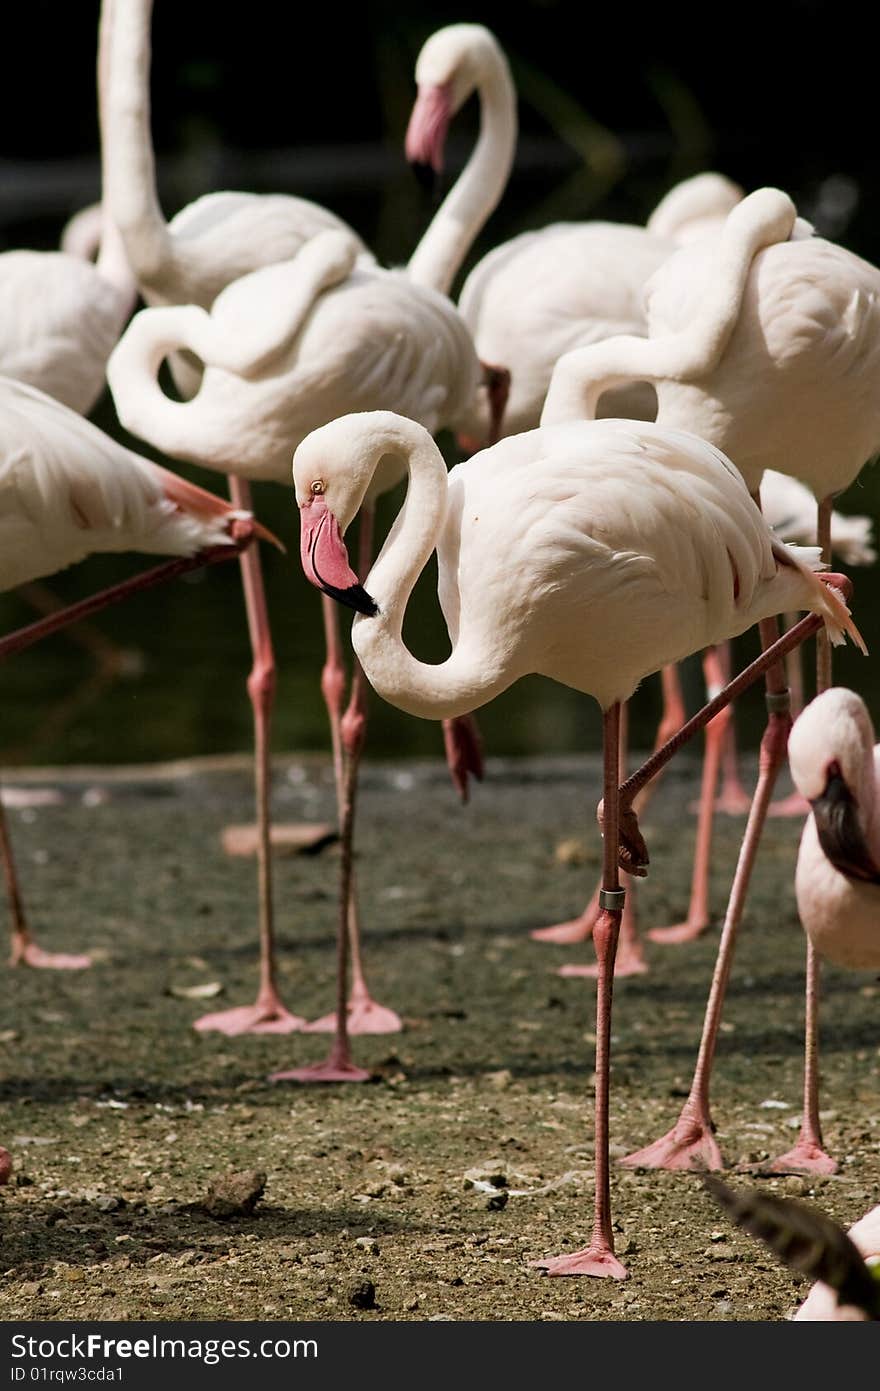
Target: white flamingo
column 287, row 348
column 590, row 553
column 835, row 765
column 67, row 491
column 776, row 362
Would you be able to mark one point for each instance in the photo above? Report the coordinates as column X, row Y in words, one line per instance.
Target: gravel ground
column 119, row 1117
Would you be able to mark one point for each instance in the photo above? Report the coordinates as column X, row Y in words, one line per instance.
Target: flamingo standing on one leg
column 778, row 363
column 547, row 544
column 835, row 765
column 68, row 490
column 291, row 346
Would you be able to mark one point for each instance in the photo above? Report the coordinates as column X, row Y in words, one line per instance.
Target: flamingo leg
column 25, row 951
column 697, row 919
column 808, row 1155
column 630, row 958
column 598, row 1257
column 794, row 804
column 691, row 1144
column 338, row 1066
column 348, row 734
column 733, row 800
column 268, row 1015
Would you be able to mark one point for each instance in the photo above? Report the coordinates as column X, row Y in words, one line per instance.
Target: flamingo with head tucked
column 590, row 553
column 779, row 365
column 290, row 346
column 67, row 491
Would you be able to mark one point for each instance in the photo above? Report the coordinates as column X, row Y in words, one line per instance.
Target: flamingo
column 66, row 491
column 771, row 352
column 547, row 543
column 835, row 765
column 812, row 1244
column 288, row 347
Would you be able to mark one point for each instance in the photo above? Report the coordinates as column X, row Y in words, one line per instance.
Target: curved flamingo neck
column 129, row 169
column 691, row 353
column 448, row 688
column 472, row 199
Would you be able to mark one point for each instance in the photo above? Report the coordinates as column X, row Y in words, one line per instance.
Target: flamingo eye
column 318, row 487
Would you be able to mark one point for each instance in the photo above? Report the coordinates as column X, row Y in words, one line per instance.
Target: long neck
column 463, row 212
column 692, row 352
column 439, row 691
column 129, row 170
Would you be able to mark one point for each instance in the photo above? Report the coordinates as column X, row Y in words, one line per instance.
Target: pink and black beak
column 325, row 559
column 426, row 133
column 840, row 833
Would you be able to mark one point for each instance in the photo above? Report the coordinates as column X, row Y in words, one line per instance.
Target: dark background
column 616, row 105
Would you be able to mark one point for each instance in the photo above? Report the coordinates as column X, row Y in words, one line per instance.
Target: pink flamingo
column 547, row 543
column 286, row 348
column 835, row 765
column 776, row 359
column 68, row 490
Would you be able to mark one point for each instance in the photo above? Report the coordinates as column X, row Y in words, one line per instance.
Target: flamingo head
column 831, row 756
column 331, row 480
column 449, row 68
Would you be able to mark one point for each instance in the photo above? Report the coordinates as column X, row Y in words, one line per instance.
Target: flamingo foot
column 596, row 1259
column 266, row 1016
column 690, row 1144
column 731, row 801
column 332, row 1069
column 806, row 1157
column 628, row 962
column 569, row 933
column 365, row 1016
column 29, row 954
column 5, row 1165
column 688, row 931
column 793, row 805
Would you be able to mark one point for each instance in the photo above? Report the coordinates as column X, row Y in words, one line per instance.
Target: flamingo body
column 68, row 490
column 338, row 336
column 799, row 381
column 60, row 319
column 591, row 553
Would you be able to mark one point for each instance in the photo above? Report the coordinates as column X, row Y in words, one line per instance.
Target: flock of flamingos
column 629, row 397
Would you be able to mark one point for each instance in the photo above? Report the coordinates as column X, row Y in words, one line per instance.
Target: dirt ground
column 118, row 1115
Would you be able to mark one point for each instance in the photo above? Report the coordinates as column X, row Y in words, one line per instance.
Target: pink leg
column 5, row 1165
column 690, row 1144
column 629, row 959
column 794, row 804
column 464, row 752
column 732, row 800
column 267, row 1015
column 808, row 1155
column 598, row 1257
column 697, row 919
column 25, row 951
column 338, row 1065
column 348, row 735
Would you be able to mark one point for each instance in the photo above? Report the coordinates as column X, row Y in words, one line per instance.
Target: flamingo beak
column 426, row 133
column 840, row 832
column 325, row 559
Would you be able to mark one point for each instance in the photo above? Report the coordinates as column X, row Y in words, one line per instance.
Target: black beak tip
column 355, row 597
column 426, row 175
